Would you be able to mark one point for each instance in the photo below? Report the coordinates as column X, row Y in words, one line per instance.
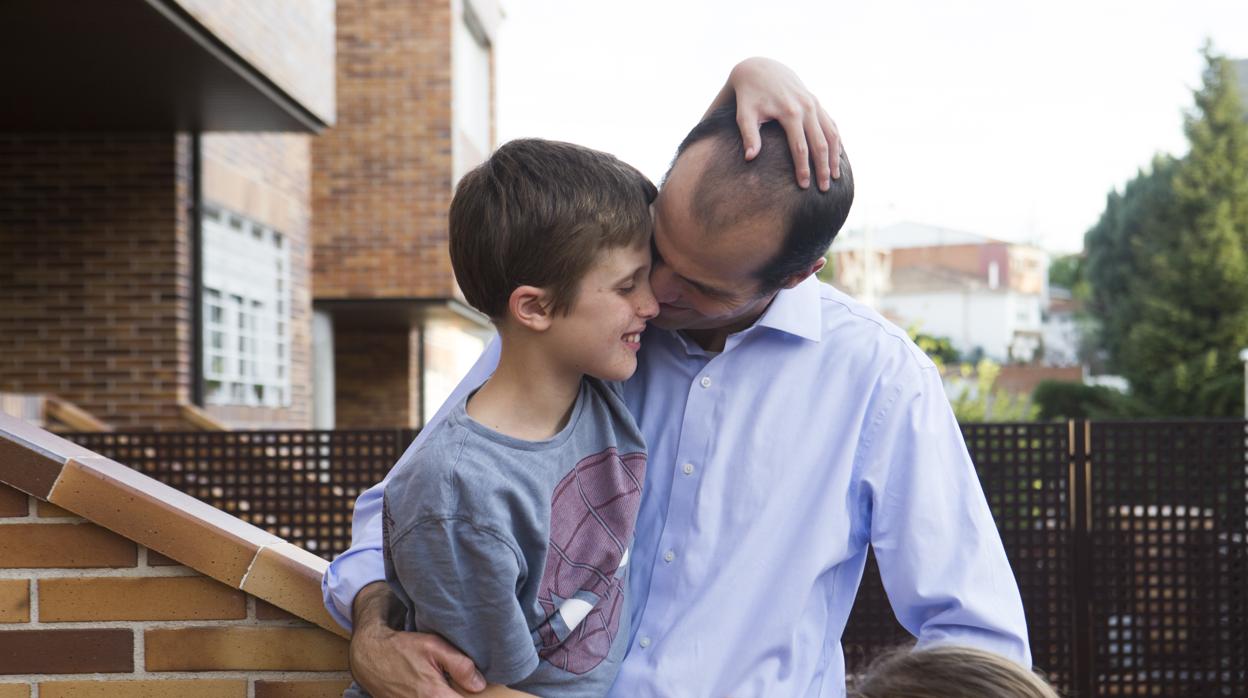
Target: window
column 471, row 93
column 246, row 297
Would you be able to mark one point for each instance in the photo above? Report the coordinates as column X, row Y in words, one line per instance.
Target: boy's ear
column 529, row 307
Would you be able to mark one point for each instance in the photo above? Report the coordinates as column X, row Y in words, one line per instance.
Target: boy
column 508, row 531
column 949, row 671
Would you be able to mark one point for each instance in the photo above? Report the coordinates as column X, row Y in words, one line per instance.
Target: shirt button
column 669, row 556
column 706, row 381
column 644, row 642
column 688, row 468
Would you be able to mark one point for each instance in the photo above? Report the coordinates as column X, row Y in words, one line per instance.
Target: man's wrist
column 375, row 607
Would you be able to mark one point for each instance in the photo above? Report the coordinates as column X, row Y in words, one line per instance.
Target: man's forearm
column 376, row 604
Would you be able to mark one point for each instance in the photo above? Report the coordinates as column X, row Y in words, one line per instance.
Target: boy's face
column 601, row 333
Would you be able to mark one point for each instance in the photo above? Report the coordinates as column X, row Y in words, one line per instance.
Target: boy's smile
column 601, row 334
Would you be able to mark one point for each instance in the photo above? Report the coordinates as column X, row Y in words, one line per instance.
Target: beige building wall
column 290, row 41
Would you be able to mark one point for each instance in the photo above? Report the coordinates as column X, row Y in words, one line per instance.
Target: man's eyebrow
column 701, row 287
column 706, row 290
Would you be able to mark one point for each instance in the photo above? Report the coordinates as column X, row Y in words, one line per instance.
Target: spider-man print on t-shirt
column 593, row 510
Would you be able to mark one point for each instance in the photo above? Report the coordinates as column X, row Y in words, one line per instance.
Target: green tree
column 1168, row 263
column 1066, row 271
column 1134, row 224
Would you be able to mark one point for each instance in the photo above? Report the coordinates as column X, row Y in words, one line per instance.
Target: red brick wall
column 77, row 600
column 377, row 377
column 381, row 181
column 95, row 272
column 95, row 267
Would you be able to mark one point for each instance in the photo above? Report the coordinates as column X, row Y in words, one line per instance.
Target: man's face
column 705, row 279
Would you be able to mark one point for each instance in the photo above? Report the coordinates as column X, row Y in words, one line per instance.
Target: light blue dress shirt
column 773, row 464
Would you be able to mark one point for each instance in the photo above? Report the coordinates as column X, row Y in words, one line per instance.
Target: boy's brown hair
column 949, row 672
column 538, row 213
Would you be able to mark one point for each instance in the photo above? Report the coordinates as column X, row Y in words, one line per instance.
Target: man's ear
column 812, row 269
column 529, row 306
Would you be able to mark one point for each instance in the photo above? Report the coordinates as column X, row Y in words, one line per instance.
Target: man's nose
column 663, row 282
column 648, row 307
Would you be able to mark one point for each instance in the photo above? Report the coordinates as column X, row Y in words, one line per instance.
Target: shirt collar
column 796, row 311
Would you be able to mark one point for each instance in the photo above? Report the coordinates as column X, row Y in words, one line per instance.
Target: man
column 789, row 427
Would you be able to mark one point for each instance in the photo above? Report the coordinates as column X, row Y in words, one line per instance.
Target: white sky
column 1010, row 118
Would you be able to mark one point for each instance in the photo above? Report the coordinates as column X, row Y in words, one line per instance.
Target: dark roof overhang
column 131, row 65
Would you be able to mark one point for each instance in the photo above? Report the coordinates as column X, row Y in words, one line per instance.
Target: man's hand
column 766, row 90
column 391, row 663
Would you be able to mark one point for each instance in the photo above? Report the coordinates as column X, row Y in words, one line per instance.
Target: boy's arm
column 940, row 556
column 461, row 579
column 416, row 664
column 361, row 565
column 766, row 90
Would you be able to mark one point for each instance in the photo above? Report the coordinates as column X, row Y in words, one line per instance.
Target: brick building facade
column 164, row 236
column 415, row 110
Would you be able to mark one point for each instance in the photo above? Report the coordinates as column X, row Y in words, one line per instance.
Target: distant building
column 415, row 112
column 985, row 295
column 1062, row 333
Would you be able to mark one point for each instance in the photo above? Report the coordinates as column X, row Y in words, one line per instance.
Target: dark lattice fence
column 1129, row 540
column 1024, row 470
column 1167, row 558
column 300, row 485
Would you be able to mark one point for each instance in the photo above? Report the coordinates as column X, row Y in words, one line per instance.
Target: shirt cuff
column 345, row 577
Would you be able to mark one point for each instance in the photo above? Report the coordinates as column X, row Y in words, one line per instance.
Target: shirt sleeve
column 462, row 583
column 362, row 563
column 940, row 556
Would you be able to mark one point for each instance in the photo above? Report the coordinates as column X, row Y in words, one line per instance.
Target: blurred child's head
column 553, row 239
column 949, row 672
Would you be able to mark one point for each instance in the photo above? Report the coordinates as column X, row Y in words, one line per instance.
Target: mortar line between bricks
column 89, row 572
column 42, row 520
column 192, row 623
column 140, row 651
column 34, row 602
column 240, row 674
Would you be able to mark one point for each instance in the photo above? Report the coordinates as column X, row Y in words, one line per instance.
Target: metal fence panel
column 300, row 485
column 1169, row 563
column 1129, row 540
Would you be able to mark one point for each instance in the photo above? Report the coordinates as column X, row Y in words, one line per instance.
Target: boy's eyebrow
column 632, row 274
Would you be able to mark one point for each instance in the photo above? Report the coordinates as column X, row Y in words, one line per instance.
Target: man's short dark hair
column 733, row 190
column 538, row 213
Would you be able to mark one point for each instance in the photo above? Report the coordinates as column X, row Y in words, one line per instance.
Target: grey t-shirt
column 517, row 551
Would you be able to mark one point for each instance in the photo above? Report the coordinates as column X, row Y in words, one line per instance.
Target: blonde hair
column 949, row 672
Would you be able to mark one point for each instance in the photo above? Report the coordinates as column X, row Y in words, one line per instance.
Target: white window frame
column 246, row 311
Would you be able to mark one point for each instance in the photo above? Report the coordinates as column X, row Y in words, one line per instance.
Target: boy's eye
column 627, row 289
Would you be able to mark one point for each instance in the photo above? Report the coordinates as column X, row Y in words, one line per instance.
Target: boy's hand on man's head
column 391, row 663
column 766, row 90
